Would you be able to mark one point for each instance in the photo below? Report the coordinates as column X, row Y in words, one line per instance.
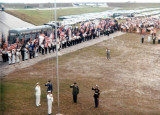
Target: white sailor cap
column 37, row 83
column 49, row 91
column 97, row 86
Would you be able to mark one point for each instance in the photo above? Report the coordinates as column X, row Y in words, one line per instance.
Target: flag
column 17, row 40
column 7, row 43
column 62, row 34
column 47, row 39
column 2, row 39
column 13, row 46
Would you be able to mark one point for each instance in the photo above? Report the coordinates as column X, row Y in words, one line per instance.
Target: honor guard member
column 17, row 55
column 53, row 45
column 6, row 54
column 96, row 95
column 49, row 47
column 49, row 85
column 98, row 32
column 75, row 91
column 9, row 58
column 1, row 56
column 36, row 51
column 38, row 94
column 46, row 47
column 58, row 44
column 26, row 53
column 154, row 39
column 42, row 47
column 63, row 43
column 23, row 52
column 13, row 56
column 49, row 101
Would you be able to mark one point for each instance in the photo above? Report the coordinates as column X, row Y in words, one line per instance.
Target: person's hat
column 97, row 86
column 75, row 83
column 49, row 91
column 37, row 83
column 49, row 80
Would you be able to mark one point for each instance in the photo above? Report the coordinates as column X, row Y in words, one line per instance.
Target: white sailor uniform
column 13, row 56
column 38, row 95
column 50, row 101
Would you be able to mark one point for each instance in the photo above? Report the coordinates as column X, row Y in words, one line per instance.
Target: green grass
column 39, row 17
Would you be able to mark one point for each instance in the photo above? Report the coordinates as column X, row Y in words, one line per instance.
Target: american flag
column 13, row 46
column 112, row 23
column 62, row 34
column 17, row 40
column 47, row 39
column 51, row 36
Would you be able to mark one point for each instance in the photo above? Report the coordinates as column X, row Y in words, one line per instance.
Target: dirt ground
column 129, row 81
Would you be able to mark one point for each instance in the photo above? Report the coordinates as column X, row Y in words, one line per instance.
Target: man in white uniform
column 9, row 58
column 38, row 94
column 49, row 101
column 13, row 56
column 17, row 55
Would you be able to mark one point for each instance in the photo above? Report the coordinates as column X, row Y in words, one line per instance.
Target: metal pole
column 56, row 56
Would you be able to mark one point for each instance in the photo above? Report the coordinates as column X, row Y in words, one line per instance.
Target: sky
column 73, row 1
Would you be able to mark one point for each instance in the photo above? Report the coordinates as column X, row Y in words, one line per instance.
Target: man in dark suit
column 49, row 85
column 75, row 91
column 96, row 95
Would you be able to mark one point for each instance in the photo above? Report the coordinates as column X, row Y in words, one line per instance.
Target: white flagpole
column 56, row 57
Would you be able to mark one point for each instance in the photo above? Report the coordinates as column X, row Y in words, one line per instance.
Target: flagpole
column 55, row 13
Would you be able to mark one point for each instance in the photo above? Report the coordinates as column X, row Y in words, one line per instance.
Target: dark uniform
column 75, row 92
column 154, row 39
column 22, row 52
column 49, row 85
column 96, row 96
column 142, row 39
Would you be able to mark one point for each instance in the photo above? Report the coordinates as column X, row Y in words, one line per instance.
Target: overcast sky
column 71, row 1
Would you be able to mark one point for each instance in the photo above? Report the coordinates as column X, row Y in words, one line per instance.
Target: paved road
column 5, row 69
column 8, row 21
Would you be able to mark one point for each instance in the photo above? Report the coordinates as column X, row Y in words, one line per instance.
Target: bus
column 27, row 33
column 2, row 7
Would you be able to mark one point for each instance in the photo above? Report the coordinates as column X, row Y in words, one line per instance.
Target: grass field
column 39, row 17
column 129, row 82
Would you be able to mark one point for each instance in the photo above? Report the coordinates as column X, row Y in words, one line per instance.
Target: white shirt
column 38, row 90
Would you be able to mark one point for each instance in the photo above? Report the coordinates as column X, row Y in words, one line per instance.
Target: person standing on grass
column 75, row 91
column 38, row 94
column 49, row 85
column 96, row 95
column 108, row 53
column 49, row 101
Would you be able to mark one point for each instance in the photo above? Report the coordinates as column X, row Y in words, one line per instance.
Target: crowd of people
column 45, row 42
column 141, row 25
column 144, row 26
